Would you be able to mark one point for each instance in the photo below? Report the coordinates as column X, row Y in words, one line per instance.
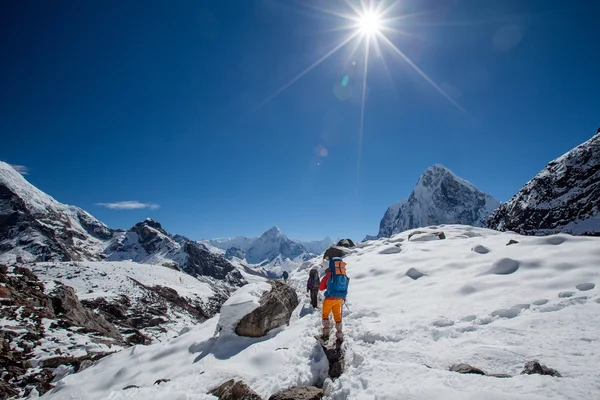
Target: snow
column 241, row 303
column 439, row 197
column 111, row 279
column 494, row 310
column 49, row 213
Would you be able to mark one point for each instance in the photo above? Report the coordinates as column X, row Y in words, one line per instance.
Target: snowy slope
column 113, row 280
column 440, row 197
column 33, row 225
column 564, row 196
column 479, row 301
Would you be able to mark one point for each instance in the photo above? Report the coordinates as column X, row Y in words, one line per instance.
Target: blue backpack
column 337, row 286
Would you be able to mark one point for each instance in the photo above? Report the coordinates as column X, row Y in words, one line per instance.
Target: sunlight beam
column 362, row 111
column 423, row 74
column 307, row 70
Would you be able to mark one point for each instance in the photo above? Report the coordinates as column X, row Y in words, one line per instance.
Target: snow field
column 411, row 314
column 480, row 302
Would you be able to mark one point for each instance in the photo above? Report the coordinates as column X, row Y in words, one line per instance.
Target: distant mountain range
column 563, row 197
column 36, row 227
column 272, row 250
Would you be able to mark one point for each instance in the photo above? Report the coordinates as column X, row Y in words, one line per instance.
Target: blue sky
column 164, row 103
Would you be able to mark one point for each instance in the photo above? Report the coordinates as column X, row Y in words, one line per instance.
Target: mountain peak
column 439, row 197
column 274, row 230
column 151, row 223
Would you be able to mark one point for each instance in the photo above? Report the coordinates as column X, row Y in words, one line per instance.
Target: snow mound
column 240, row 304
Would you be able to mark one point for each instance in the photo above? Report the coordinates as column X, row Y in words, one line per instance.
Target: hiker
column 335, row 282
column 312, row 286
column 285, row 276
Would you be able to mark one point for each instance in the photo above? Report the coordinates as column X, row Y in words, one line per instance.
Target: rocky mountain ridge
column 564, row 196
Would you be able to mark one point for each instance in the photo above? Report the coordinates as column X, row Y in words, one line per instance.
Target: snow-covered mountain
column 34, row 226
column 147, row 242
column 271, row 249
column 317, row 246
column 564, row 196
column 271, row 244
column 239, row 242
column 440, row 197
column 415, row 307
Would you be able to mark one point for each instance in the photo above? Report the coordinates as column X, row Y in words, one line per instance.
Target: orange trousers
column 335, row 306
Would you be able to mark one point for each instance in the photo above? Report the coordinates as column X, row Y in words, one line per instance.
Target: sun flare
column 369, row 23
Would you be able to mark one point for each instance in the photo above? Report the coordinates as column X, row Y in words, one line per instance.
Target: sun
column 369, row 23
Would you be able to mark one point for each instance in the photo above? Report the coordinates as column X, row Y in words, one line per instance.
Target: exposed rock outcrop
column 335, row 251
column 299, row 393
column 275, row 310
column 534, row 367
column 46, row 322
column 348, row 243
column 35, row 227
column 564, row 197
column 234, row 390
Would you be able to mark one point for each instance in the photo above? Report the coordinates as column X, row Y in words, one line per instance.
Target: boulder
column 511, row 241
column 275, row 309
column 299, row 393
column 234, row 390
column 66, row 305
column 534, row 367
column 426, row 235
column 466, row 369
column 335, row 251
column 348, row 243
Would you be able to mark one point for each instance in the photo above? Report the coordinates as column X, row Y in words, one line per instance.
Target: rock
column 562, row 197
column 299, row 393
column 131, row 387
column 335, row 251
column 66, row 304
column 275, row 310
column 512, row 241
column 139, row 338
column 6, row 390
column 440, row 235
column 234, row 390
column 159, row 381
column 466, row 369
column 172, row 265
column 415, row 274
column 346, row 243
column 534, row 367
column 500, row 376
